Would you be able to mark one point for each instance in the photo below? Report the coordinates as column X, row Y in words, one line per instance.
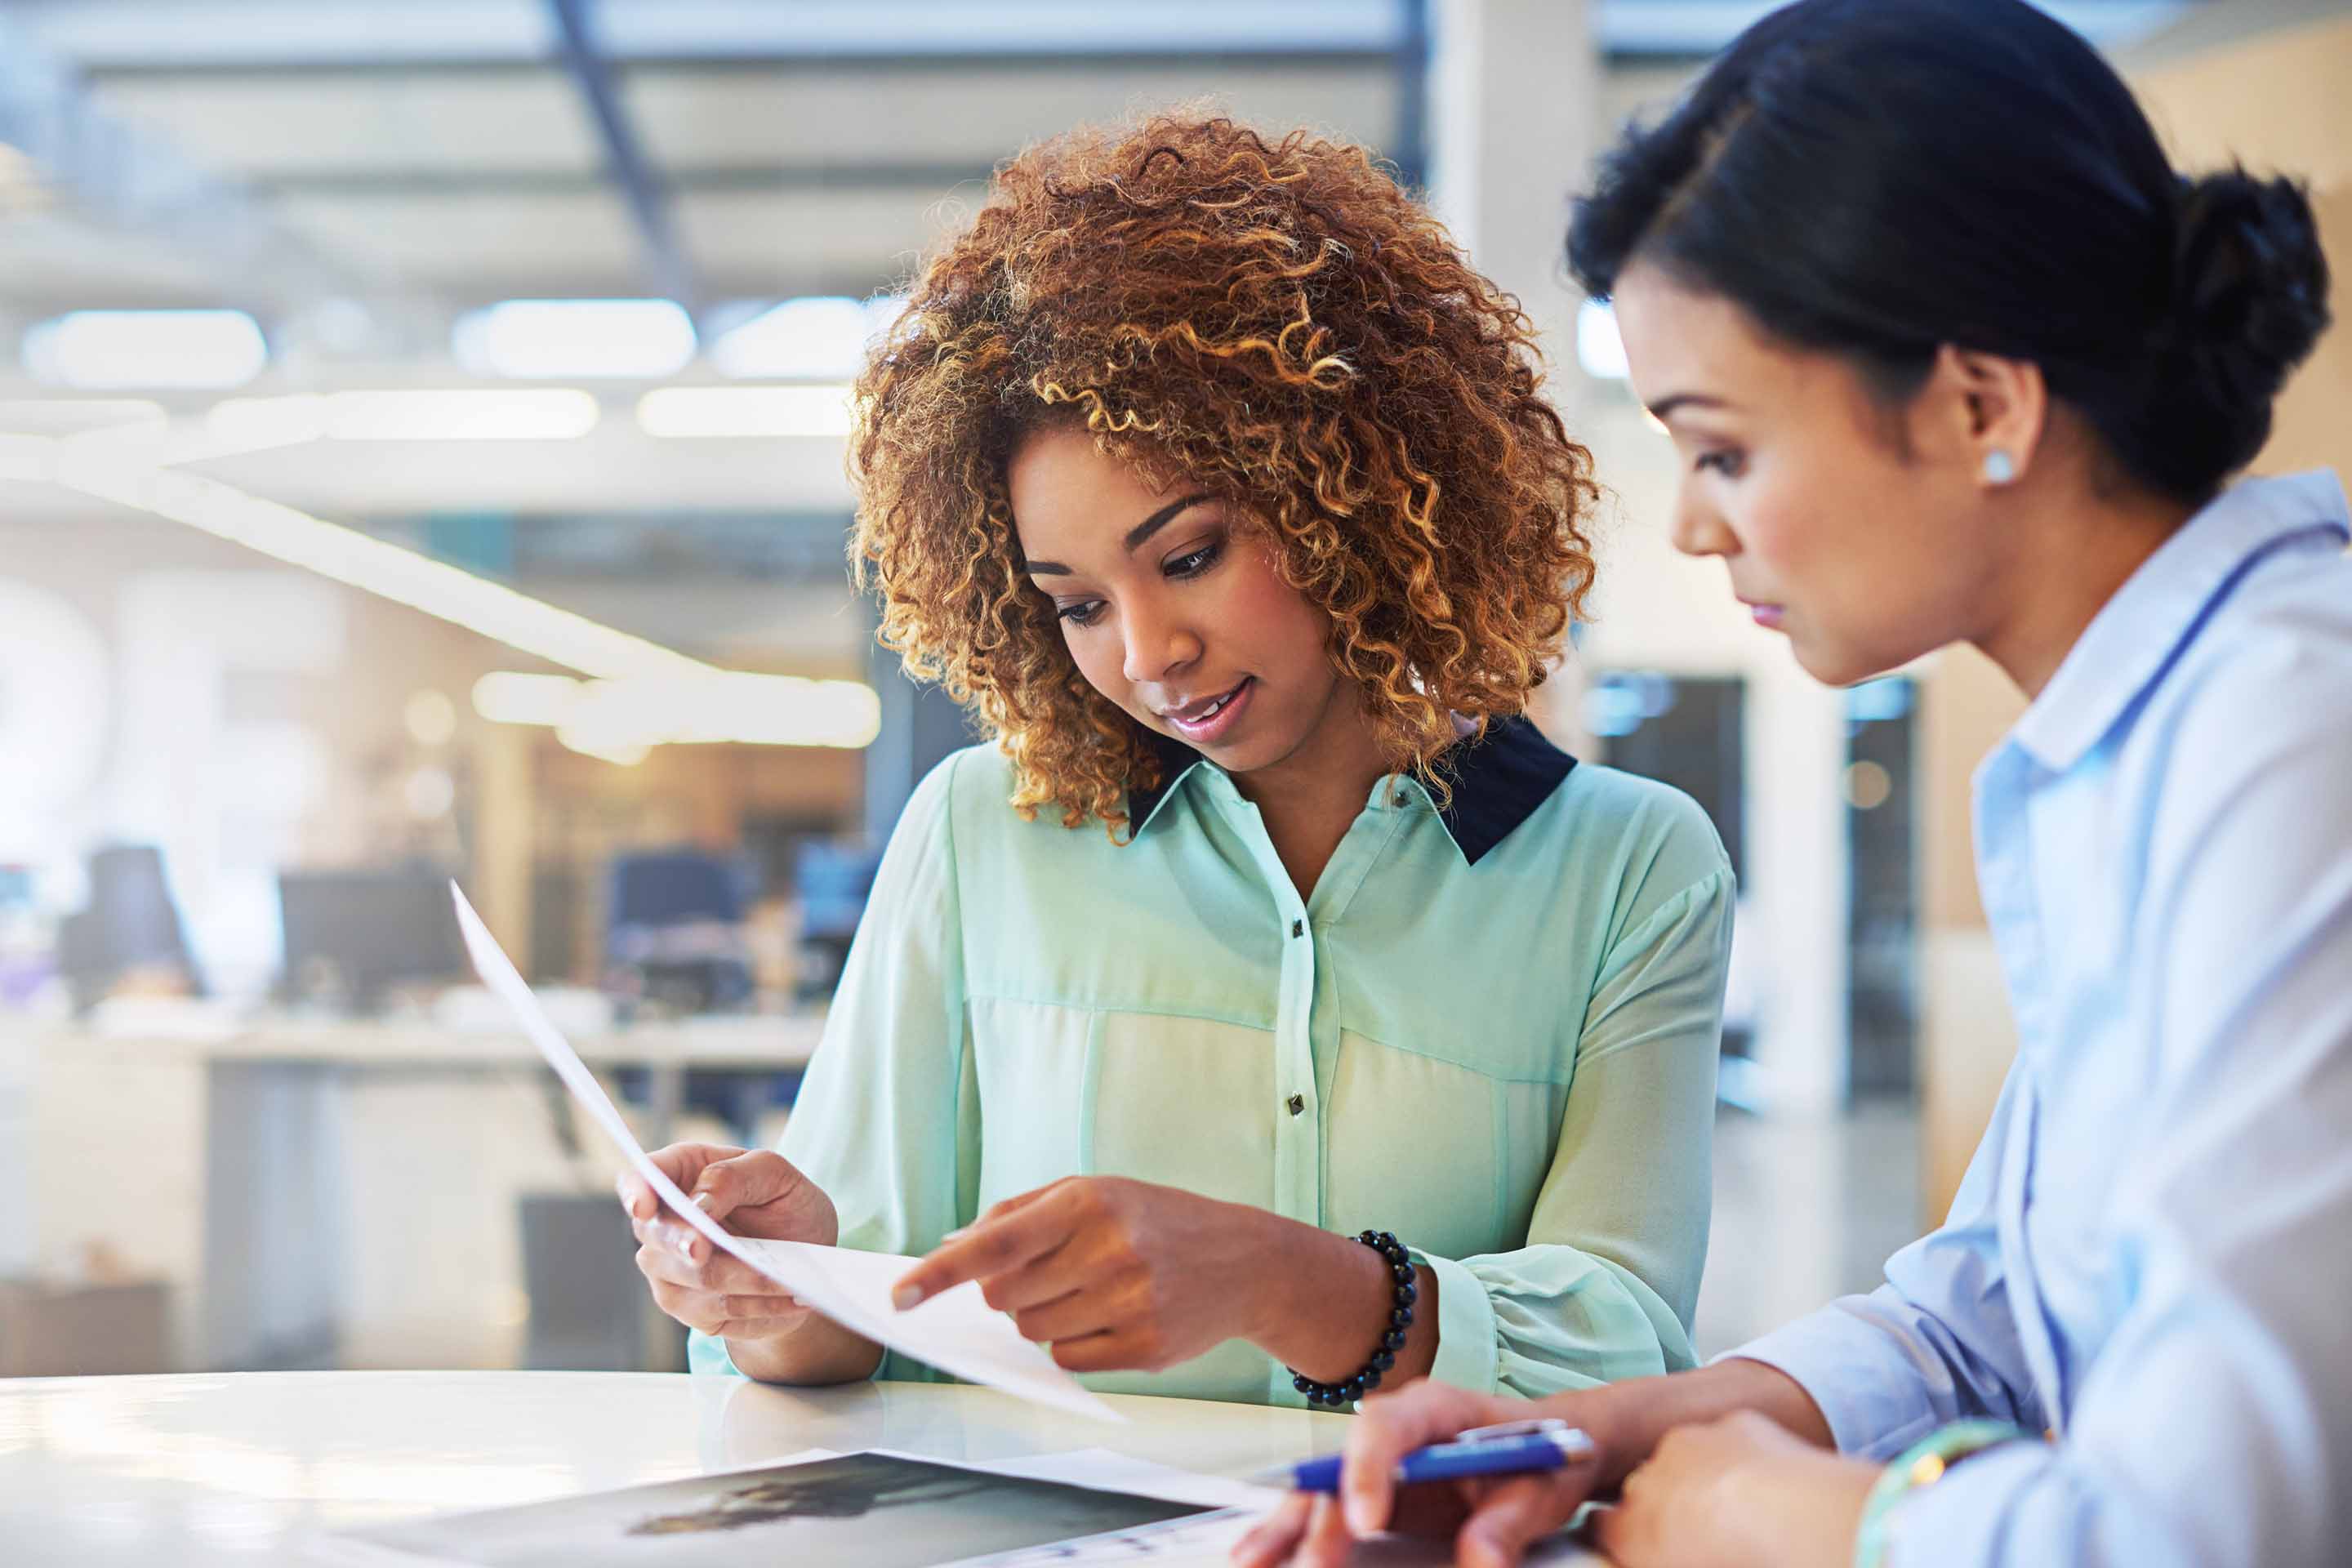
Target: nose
column 1159, row 643
column 1697, row 528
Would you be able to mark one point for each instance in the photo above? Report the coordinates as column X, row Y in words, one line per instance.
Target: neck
column 1309, row 798
column 2075, row 557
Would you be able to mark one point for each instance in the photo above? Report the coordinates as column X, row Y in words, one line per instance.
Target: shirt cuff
column 1874, row 1411
column 1468, row 1355
column 707, row 1355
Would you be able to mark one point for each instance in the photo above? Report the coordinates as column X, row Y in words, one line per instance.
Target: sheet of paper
column 1106, row 1470
column 1210, row 1538
column 957, row 1332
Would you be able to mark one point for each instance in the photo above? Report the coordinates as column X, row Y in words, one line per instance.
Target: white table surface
column 254, row 1468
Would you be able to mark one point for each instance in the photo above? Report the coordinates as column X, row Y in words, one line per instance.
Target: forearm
column 1628, row 1419
column 1323, row 1306
column 819, row 1352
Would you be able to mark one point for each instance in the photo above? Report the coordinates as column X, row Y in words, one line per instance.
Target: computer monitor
column 130, row 923
column 836, row 877
column 675, row 931
column 350, row 934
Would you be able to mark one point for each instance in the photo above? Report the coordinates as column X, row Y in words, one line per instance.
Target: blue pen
column 1513, row 1448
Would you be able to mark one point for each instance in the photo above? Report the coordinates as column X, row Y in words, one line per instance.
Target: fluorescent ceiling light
column 258, row 424
column 589, row 745
column 107, row 348
column 370, row 564
column 539, row 339
column 643, row 694
column 549, row 413
column 1599, row 349
column 469, row 414
column 512, row 697
column 708, row 411
column 30, row 459
column 609, row 717
column 75, row 415
column 816, row 339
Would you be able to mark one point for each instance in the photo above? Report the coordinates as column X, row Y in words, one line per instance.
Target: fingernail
column 907, row 1296
column 685, row 1248
column 706, row 1202
column 1363, row 1517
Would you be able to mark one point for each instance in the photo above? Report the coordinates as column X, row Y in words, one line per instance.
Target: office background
column 414, row 403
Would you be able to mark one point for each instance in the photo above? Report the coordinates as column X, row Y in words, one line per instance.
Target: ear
column 1994, row 412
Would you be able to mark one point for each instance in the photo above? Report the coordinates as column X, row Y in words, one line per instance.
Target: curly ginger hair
column 1278, row 322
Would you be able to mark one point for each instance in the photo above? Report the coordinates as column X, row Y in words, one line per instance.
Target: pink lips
column 1768, row 616
column 1202, row 723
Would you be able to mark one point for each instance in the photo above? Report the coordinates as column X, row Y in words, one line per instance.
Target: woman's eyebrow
column 1161, row 519
column 1135, row 536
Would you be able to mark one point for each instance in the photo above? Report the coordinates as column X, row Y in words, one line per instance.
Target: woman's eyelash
column 1192, row 563
column 1725, row 463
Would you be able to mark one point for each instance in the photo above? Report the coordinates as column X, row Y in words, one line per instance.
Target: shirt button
column 1297, row 1105
column 1299, row 928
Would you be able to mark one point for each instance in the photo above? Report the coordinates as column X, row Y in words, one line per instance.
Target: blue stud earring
column 1999, row 468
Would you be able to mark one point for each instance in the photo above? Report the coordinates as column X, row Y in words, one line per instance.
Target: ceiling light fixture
column 703, row 413
column 118, row 348
column 643, row 339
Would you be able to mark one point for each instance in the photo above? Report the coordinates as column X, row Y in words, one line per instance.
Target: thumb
column 726, row 1185
column 718, row 1189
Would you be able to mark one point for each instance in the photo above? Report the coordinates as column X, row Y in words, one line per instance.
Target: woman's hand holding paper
column 751, row 1193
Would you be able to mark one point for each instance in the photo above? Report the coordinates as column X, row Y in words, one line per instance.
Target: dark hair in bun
column 1882, row 177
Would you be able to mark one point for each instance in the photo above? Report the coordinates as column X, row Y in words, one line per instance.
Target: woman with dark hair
column 1270, row 1010
column 1952, row 354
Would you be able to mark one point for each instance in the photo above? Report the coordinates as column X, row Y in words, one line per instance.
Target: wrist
column 1324, row 1311
column 1620, row 1420
column 1628, row 1420
column 1337, row 1375
column 1266, row 1301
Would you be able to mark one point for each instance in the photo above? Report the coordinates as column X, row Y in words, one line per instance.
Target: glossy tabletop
column 253, row 1468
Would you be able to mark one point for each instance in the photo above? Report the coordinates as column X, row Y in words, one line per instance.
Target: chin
column 1846, row 667
column 1837, row 667
column 1249, row 753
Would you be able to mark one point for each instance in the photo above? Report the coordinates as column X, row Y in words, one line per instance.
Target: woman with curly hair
column 1207, row 474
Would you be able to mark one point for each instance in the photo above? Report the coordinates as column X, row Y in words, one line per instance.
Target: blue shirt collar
column 2138, row 632
column 1498, row 781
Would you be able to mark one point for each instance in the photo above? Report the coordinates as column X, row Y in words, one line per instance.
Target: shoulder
column 2267, row 677
column 1653, row 823
column 2255, row 707
column 1642, row 849
column 964, row 805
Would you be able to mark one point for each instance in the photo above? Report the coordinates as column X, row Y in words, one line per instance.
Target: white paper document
column 957, row 1332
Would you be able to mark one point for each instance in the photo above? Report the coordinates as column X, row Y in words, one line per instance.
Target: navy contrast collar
column 1498, row 781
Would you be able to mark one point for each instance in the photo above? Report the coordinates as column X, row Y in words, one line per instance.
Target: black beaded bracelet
column 1384, row 1353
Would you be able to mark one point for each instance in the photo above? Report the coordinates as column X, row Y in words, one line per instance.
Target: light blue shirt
column 2151, row 1254
column 1491, row 1029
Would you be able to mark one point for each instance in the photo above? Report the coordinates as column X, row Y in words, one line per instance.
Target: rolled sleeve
column 1936, row 1343
column 1468, row 1350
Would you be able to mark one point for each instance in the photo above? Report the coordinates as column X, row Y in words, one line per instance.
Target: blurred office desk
column 294, row 1179
column 258, row 1468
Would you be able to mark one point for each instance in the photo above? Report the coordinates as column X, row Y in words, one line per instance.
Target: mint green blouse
column 1492, row 1030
